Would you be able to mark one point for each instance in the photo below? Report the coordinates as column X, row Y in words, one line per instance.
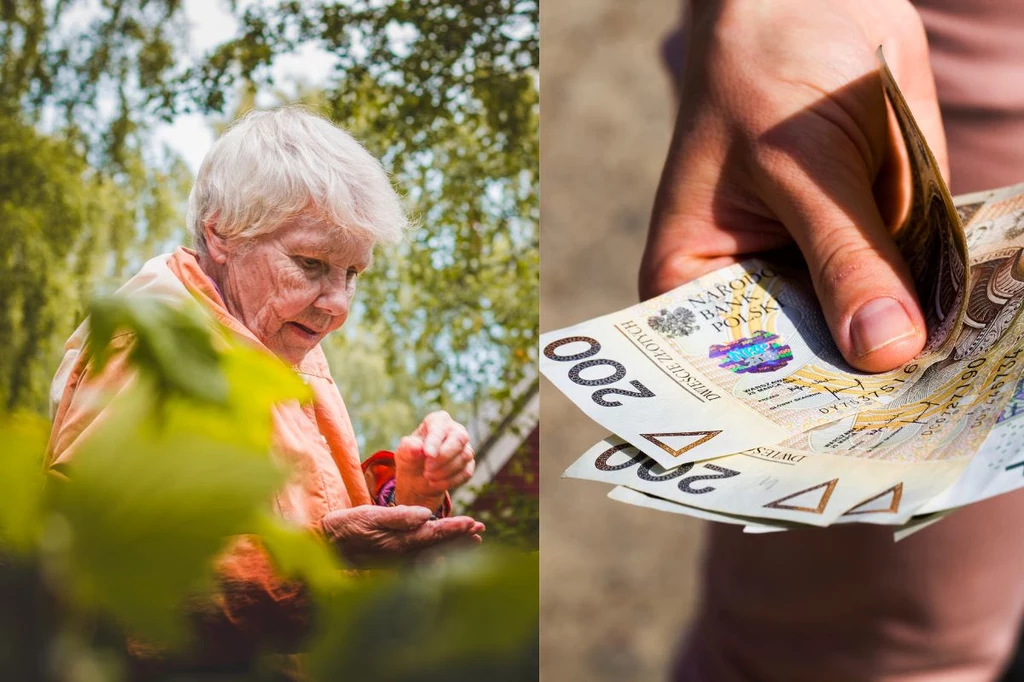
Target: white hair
column 275, row 165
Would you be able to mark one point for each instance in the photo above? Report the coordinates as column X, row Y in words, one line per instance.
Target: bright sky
column 210, row 24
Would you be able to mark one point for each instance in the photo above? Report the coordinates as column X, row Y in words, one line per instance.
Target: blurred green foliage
column 127, row 533
column 24, row 438
column 190, row 371
column 83, row 196
column 149, row 508
column 474, row 618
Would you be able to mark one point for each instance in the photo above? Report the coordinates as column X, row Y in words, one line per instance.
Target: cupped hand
column 436, row 458
column 370, row 535
column 783, row 136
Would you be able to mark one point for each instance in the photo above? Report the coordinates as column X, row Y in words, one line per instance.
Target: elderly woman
column 285, row 213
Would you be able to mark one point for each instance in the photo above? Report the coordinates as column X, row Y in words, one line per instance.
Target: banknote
column 750, row 525
column 909, row 504
column 994, row 226
column 947, row 414
column 917, row 524
column 931, row 237
column 638, row 375
column 994, row 222
column 997, row 468
column 638, row 499
column 922, row 442
column 772, row 484
column 761, row 528
column 901, row 532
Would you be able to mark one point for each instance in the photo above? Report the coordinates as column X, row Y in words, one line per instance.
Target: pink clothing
column 977, row 54
column 845, row 604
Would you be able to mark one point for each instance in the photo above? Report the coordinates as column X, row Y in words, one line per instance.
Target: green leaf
column 487, row 604
column 470, row 616
column 173, row 344
column 226, row 388
column 21, row 480
column 258, row 380
column 149, row 508
column 256, row 383
column 300, row 554
column 175, row 467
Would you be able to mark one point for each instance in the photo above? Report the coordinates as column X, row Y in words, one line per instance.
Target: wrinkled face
column 294, row 286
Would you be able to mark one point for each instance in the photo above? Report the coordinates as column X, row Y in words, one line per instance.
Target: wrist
column 405, row 496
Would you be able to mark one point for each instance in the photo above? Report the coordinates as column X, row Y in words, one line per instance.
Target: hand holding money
column 743, row 179
column 729, row 397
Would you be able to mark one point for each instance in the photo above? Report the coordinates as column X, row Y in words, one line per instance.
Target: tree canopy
column 443, row 91
column 82, row 196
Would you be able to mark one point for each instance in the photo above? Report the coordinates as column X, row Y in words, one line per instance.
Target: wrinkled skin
column 291, row 288
column 782, row 137
column 369, row 535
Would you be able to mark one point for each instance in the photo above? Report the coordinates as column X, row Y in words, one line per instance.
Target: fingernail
column 878, row 323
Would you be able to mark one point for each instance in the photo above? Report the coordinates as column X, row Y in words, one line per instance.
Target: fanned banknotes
column 730, row 401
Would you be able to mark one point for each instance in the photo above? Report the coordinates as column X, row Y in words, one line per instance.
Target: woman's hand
column 783, row 137
column 436, row 458
column 369, row 535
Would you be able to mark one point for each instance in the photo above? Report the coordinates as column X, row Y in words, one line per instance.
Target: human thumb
column 410, row 449
column 862, row 282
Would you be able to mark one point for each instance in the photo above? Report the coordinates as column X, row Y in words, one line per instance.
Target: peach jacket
column 316, row 439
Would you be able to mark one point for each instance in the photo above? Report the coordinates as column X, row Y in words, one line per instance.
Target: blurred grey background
column 618, row 583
